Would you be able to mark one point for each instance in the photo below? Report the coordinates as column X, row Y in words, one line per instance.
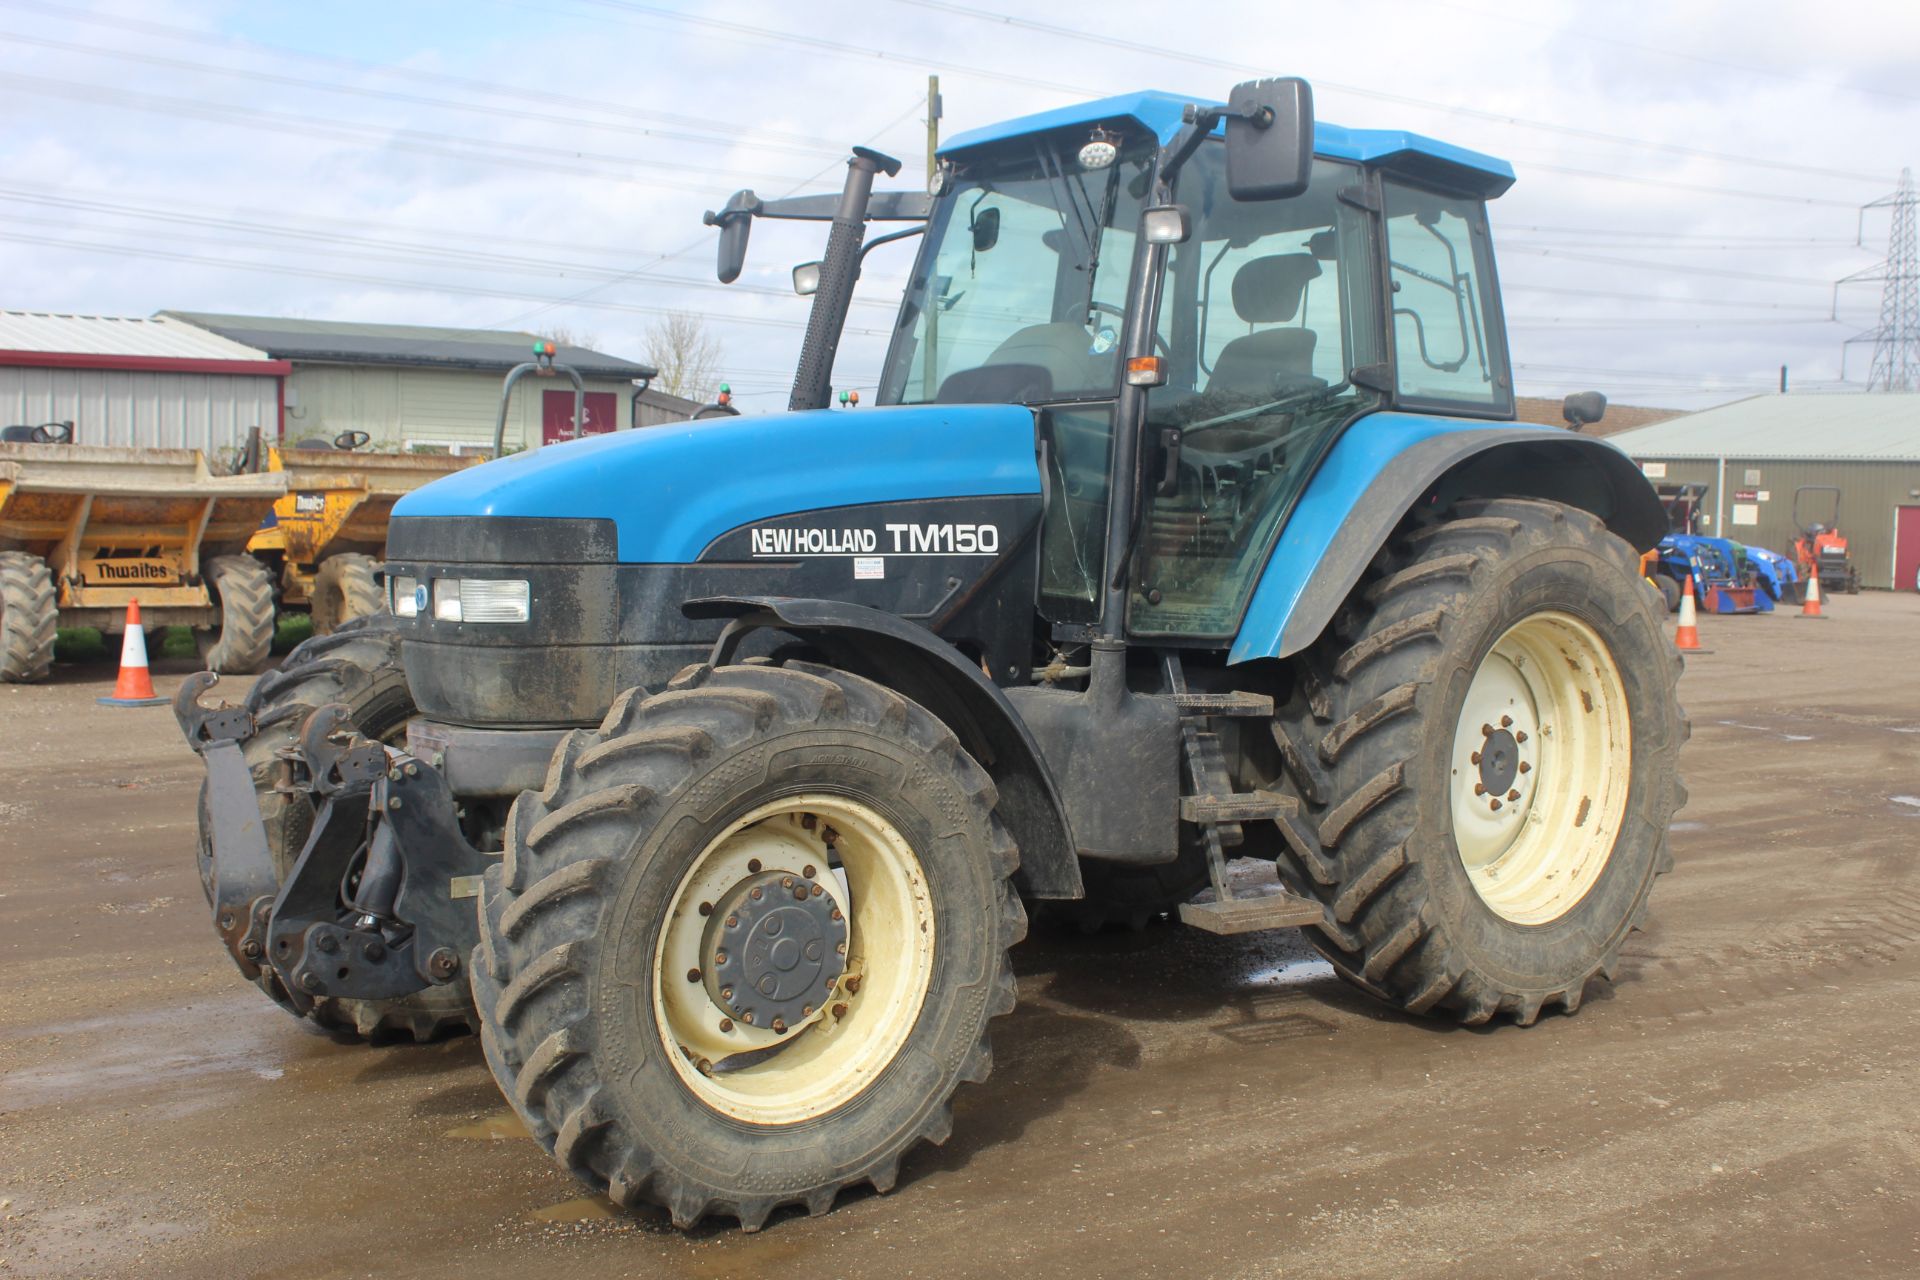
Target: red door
column 556, row 415
column 1906, row 548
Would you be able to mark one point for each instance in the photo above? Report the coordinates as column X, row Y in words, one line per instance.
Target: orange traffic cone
column 1810, row 605
column 134, row 688
column 1686, row 636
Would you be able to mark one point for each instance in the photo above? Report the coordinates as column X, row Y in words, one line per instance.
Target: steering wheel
column 53, row 433
column 1159, row 340
column 351, row 439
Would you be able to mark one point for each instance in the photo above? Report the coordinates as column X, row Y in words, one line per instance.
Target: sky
column 1690, row 174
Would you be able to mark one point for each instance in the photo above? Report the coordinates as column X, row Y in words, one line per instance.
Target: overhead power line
column 1519, row 122
column 1896, row 338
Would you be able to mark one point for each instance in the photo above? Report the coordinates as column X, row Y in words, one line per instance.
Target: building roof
column 1620, row 417
column 1880, row 427
column 155, row 338
column 342, row 342
column 1163, row 113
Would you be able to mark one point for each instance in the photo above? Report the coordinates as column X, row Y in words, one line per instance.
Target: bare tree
column 686, row 354
column 564, row 336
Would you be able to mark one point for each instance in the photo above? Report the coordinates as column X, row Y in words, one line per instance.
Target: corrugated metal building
column 1754, row 454
column 154, row 383
column 417, row 385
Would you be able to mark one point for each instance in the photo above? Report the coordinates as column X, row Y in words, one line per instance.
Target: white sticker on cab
column 869, row 567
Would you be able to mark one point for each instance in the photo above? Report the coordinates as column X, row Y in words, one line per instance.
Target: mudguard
column 1387, row 462
column 913, row 661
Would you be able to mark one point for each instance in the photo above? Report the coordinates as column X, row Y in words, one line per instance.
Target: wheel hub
column 1499, row 762
column 775, row 945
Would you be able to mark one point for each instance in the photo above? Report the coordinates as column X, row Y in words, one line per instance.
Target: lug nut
column 733, row 922
column 1513, row 795
column 1479, row 788
column 726, row 993
column 754, row 893
column 853, row 985
column 747, row 1017
column 1506, row 722
column 1520, row 736
column 840, row 1010
column 817, row 891
column 327, row 943
column 753, row 865
column 1496, row 806
column 704, row 1066
column 779, row 1026
column 250, row 949
column 726, row 1024
column 693, row 975
column 413, row 770
column 719, row 958
column 1525, row 767
column 836, row 913
column 1474, row 758
column 1486, row 731
column 786, row 882
column 806, row 1010
column 807, row 871
column 310, row 981
column 841, row 947
column 706, row 908
column 808, row 821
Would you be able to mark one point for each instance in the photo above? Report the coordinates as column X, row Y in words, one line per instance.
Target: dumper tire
column 358, row 665
column 1669, row 592
column 29, row 614
column 344, row 588
column 584, row 1004
column 242, row 587
column 1379, row 740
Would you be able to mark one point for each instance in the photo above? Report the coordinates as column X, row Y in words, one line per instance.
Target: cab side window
column 1439, row 281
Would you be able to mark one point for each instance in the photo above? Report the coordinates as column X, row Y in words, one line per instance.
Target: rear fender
column 1385, row 465
column 914, row 662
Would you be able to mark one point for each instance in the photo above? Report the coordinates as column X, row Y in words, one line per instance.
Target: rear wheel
column 1487, row 750
column 242, row 588
column 29, row 614
column 344, row 588
column 745, row 944
column 358, row 665
column 1669, row 592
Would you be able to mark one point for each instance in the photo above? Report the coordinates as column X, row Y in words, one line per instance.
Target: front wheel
column 745, row 944
column 1487, row 750
column 242, row 589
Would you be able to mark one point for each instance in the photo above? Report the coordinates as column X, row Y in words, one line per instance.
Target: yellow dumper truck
column 326, row 534
column 84, row 530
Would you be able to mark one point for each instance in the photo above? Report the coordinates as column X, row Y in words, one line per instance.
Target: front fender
column 1386, row 463
column 918, row 664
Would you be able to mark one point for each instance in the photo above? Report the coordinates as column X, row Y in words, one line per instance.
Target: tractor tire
column 601, row 1018
column 1485, row 748
column 29, row 613
column 358, row 665
column 344, row 588
column 1669, row 592
column 242, row 587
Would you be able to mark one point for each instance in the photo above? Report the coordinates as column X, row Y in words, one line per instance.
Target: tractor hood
column 671, row 490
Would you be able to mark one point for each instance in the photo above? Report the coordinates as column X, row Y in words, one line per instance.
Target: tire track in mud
column 1674, row 984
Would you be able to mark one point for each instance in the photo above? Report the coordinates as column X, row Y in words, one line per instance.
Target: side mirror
column 1583, row 409
column 1269, row 138
column 735, row 222
column 1167, row 224
column 806, row 279
column 986, row 230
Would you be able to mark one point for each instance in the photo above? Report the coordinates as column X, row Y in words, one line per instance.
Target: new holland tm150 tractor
column 709, row 771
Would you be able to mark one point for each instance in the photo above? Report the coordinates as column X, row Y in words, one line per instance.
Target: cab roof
column 1412, row 153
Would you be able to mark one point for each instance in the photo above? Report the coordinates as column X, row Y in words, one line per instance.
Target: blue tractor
column 710, row 770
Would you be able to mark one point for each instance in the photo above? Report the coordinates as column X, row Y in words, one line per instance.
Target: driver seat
column 1268, row 290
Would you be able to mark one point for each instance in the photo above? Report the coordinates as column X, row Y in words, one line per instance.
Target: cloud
column 484, row 163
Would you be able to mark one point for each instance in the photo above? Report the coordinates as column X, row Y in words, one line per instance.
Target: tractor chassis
column 378, row 902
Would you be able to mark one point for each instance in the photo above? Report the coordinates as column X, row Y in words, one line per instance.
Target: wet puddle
column 1772, row 733
column 498, row 1127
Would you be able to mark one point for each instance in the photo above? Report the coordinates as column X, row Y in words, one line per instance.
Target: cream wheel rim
column 855, row 883
column 1541, row 761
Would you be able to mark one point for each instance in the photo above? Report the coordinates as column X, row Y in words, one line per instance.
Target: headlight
column 476, row 599
column 493, row 600
column 402, row 597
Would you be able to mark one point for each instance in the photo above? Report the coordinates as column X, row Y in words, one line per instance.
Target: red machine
column 1822, row 546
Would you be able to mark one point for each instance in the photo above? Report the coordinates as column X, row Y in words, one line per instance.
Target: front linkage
column 373, row 907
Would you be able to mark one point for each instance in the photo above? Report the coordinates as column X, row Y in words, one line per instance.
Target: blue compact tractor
column 710, row 770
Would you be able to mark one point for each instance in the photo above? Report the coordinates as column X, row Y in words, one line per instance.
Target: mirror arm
column 1200, row 122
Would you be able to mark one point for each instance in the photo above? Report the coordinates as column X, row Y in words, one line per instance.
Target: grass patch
column 290, row 630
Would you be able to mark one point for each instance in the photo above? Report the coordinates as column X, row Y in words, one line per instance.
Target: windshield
column 1019, row 294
